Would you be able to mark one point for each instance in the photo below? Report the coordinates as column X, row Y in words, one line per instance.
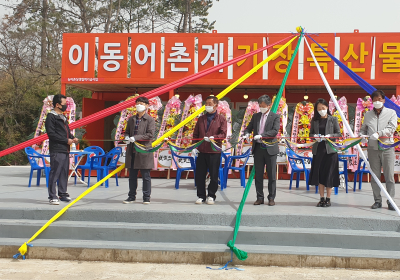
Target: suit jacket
column 144, row 136
column 332, row 128
column 271, row 129
column 218, row 129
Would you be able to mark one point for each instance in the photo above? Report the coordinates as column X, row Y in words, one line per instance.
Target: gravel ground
column 48, row 269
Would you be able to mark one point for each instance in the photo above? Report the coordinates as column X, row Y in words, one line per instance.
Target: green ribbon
column 345, row 148
column 242, row 255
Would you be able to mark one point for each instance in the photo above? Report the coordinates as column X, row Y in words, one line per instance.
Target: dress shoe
column 271, row 202
column 390, row 207
column 321, row 202
column 376, row 205
column 259, row 201
column 327, row 202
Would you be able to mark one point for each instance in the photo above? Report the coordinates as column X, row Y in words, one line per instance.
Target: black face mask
column 63, row 108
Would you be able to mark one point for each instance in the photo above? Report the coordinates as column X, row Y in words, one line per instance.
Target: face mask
column 140, row 108
column 378, row 104
column 264, row 110
column 323, row 113
column 209, row 109
column 63, row 108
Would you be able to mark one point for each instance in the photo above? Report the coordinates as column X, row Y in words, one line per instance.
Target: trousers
column 262, row 159
column 59, row 167
column 382, row 159
column 133, row 181
column 207, row 162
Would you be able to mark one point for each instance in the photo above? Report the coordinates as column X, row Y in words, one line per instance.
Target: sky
column 317, row 16
column 323, row 16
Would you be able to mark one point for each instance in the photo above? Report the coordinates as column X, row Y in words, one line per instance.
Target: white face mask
column 140, row 108
column 209, row 109
column 264, row 110
column 378, row 104
column 323, row 113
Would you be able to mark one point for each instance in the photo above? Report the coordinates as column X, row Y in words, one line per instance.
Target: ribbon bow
column 22, row 250
column 301, row 109
column 396, row 100
column 362, row 104
column 342, row 101
column 241, row 255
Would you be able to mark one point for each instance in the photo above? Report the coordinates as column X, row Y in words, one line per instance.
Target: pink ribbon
column 361, row 104
column 396, row 99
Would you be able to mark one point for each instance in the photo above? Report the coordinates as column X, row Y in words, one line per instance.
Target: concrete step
column 345, row 222
column 198, row 253
column 200, row 247
column 200, row 234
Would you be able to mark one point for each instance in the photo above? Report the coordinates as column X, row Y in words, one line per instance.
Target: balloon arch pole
column 345, row 122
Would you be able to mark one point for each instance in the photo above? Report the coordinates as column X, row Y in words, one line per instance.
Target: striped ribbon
column 384, row 146
column 187, row 149
column 305, row 145
column 265, row 144
column 215, row 147
column 341, row 146
column 144, row 149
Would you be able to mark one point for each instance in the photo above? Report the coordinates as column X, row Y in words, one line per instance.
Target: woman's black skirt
column 324, row 168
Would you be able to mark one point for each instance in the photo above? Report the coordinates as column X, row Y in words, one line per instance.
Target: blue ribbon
column 225, row 267
column 360, row 81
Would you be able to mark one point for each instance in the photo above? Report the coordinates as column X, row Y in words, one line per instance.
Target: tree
column 31, row 48
column 191, row 15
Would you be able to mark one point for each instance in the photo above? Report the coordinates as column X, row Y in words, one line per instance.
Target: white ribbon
column 350, row 130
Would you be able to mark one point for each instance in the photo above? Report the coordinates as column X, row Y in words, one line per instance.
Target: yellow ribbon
column 24, row 248
column 225, row 91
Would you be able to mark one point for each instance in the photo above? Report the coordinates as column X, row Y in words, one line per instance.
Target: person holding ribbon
column 264, row 124
column 209, row 126
column 380, row 125
column 60, row 139
column 325, row 164
column 139, row 130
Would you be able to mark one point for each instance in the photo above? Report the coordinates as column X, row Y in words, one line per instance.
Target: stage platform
column 173, row 229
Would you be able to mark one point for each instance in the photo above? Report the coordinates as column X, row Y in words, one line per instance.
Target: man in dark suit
column 264, row 125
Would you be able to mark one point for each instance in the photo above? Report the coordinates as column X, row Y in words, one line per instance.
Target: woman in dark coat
column 325, row 164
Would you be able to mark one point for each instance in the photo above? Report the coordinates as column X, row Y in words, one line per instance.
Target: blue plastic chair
column 32, row 156
column 293, row 159
column 360, row 172
column 222, row 170
column 95, row 151
column 179, row 169
column 110, row 161
column 241, row 169
column 344, row 173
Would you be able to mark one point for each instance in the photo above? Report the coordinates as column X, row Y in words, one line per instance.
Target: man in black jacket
column 60, row 139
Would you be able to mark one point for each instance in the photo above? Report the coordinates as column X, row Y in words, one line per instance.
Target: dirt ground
column 48, row 269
